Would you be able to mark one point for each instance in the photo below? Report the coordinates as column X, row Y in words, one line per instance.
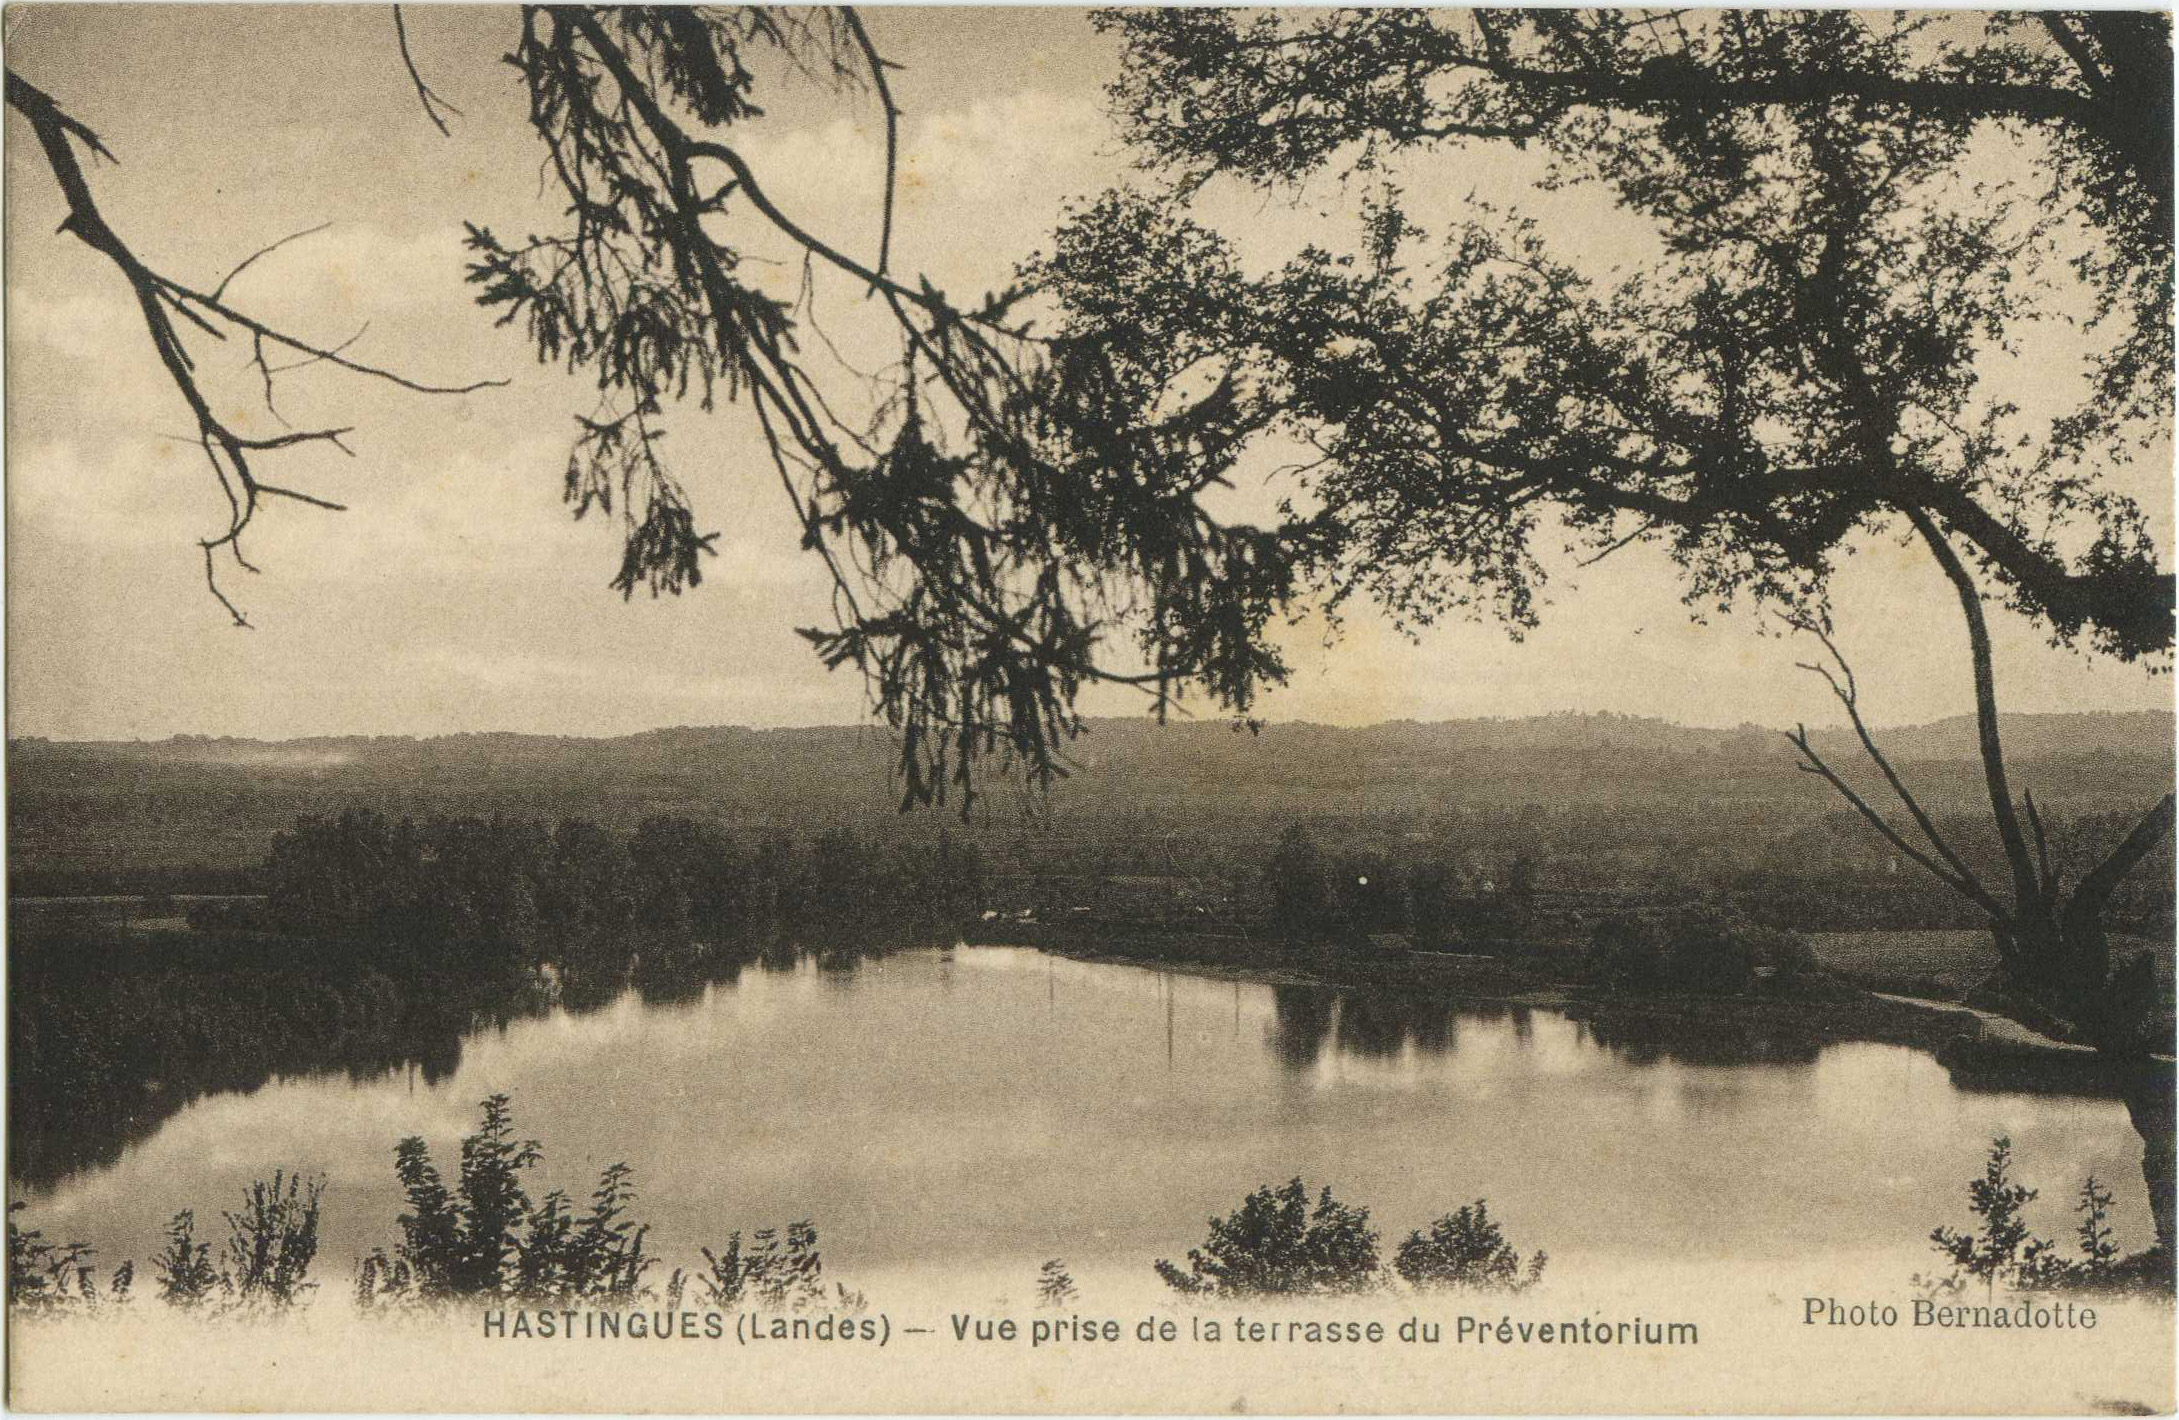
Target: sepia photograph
column 1018, row 709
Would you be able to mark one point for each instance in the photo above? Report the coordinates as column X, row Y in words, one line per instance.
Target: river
column 978, row 1110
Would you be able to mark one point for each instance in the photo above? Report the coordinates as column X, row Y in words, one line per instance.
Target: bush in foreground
column 484, row 1237
column 1274, row 1243
column 2003, row 1251
column 45, row 1277
column 1466, row 1251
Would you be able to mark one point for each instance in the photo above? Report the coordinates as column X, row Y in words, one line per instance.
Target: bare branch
column 1813, row 763
column 160, row 299
column 244, row 265
column 178, row 294
column 425, row 94
column 892, row 130
column 211, row 582
column 1847, row 692
column 269, row 490
column 286, row 441
column 309, row 360
column 1647, row 526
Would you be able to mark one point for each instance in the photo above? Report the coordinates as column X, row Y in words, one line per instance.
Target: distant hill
column 201, row 800
column 2140, row 732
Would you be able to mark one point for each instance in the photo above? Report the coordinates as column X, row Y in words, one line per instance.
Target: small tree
column 273, row 1240
column 1465, row 1251
column 1274, row 1244
column 1998, row 1201
column 2099, row 1247
column 51, row 1277
column 781, row 1274
column 185, row 1273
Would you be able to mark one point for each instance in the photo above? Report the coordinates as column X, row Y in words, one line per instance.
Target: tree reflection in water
column 89, row 1076
column 1716, row 1041
column 1373, row 1025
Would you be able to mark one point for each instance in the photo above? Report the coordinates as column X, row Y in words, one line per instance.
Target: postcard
column 1036, row 710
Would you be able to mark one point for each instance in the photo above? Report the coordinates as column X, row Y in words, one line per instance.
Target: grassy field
column 1940, row 964
column 1944, row 964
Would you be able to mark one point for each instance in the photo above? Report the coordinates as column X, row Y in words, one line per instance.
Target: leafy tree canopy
column 1846, row 254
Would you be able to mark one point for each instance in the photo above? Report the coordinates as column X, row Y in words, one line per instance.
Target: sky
column 457, row 594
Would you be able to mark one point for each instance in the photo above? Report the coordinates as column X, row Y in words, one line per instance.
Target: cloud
column 537, row 673
column 979, row 186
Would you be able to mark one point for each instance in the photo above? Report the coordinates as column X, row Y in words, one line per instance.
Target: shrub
column 273, row 1240
column 271, row 1243
column 483, row 1237
column 1993, row 1254
column 784, row 1275
column 1274, row 1243
column 1465, row 1251
column 597, row 1255
column 57, row 1277
column 187, row 1278
column 2005, row 1251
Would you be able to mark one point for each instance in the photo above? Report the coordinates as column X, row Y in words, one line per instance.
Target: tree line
column 506, row 895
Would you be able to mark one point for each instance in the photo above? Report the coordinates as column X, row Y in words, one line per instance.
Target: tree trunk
column 2054, row 953
column 2147, row 1088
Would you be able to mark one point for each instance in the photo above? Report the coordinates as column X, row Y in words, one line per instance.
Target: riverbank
column 1779, row 1025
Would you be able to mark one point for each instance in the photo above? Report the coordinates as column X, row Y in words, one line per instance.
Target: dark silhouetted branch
column 160, row 299
column 2026, row 885
column 892, row 131
column 2100, row 882
column 1847, row 690
column 425, row 94
column 1813, row 763
column 244, row 265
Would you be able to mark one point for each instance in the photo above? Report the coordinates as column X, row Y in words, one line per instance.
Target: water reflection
column 995, row 1106
column 1301, row 1023
column 1650, row 1040
column 1309, row 1020
column 103, row 1086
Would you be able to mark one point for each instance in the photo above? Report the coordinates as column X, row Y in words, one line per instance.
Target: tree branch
column 2042, row 844
column 892, row 130
column 244, row 265
column 159, row 299
column 2132, row 610
column 2027, row 890
column 424, row 93
column 2096, row 887
column 1961, row 878
column 1813, row 763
